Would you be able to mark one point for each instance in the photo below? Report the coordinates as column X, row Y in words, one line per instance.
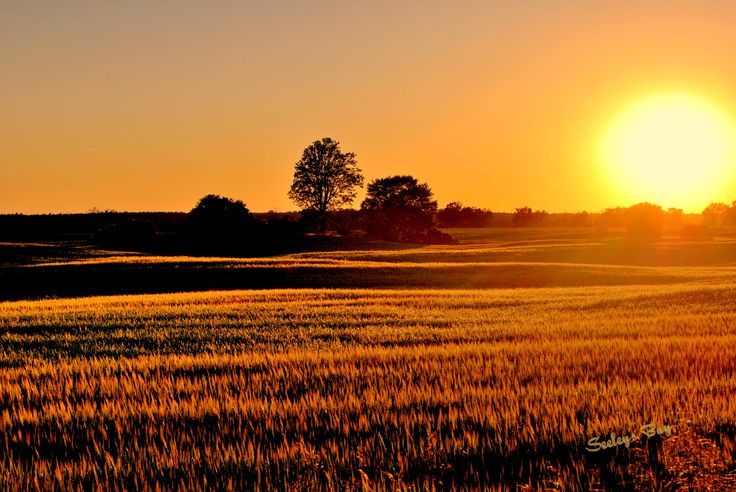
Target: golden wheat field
column 435, row 386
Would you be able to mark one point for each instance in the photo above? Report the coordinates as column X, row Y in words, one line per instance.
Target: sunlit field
column 368, row 246
column 490, row 364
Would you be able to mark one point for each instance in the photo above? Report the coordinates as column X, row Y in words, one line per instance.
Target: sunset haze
column 150, row 105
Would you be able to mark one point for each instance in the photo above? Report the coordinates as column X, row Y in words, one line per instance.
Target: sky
column 150, row 105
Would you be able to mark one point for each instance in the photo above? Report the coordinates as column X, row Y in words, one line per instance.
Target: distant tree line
column 79, row 226
column 455, row 214
column 395, row 208
column 719, row 213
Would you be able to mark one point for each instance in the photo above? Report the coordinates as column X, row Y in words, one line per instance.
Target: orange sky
column 141, row 105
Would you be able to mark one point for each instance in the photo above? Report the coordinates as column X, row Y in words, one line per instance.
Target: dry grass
column 374, row 389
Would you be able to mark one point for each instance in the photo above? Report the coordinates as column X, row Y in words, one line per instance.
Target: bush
column 220, row 225
column 435, row 236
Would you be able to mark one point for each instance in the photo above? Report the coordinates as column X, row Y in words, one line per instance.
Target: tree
column 674, row 216
column 645, row 219
column 456, row 215
column 218, row 213
column 325, row 178
column 579, row 219
column 399, row 208
column 524, row 217
column 714, row 212
column 451, row 215
column 613, row 217
column 219, row 223
column 731, row 214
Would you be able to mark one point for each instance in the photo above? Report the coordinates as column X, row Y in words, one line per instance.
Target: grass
column 371, row 387
column 459, row 268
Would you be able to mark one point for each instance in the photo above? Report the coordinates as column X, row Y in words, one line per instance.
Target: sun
column 672, row 149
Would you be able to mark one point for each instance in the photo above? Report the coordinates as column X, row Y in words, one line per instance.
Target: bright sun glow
column 671, row 149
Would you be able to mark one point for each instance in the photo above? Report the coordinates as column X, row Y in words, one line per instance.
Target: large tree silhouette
column 325, row 178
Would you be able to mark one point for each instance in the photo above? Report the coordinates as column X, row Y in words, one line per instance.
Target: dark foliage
column 311, row 220
column 78, row 227
column 219, row 225
column 399, row 208
column 435, row 236
column 525, row 217
column 285, row 227
column 613, row 217
column 645, row 220
column 578, row 219
column 128, row 234
column 674, row 217
column 715, row 213
column 730, row 214
column 347, row 223
column 457, row 215
column 325, row 178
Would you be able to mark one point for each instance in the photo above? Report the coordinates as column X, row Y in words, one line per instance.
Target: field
column 492, row 364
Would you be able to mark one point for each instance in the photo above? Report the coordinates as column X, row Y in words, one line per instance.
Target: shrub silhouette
column 219, row 224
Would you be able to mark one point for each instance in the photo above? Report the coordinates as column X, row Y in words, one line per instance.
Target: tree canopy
column 218, row 224
column 325, row 178
column 645, row 219
column 525, row 217
column 455, row 214
column 399, row 208
column 216, row 213
column 714, row 213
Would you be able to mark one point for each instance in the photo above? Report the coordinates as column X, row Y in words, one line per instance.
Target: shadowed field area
column 119, row 276
column 481, row 365
column 488, row 258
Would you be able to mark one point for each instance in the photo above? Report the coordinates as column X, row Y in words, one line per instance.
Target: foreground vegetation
column 374, row 389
